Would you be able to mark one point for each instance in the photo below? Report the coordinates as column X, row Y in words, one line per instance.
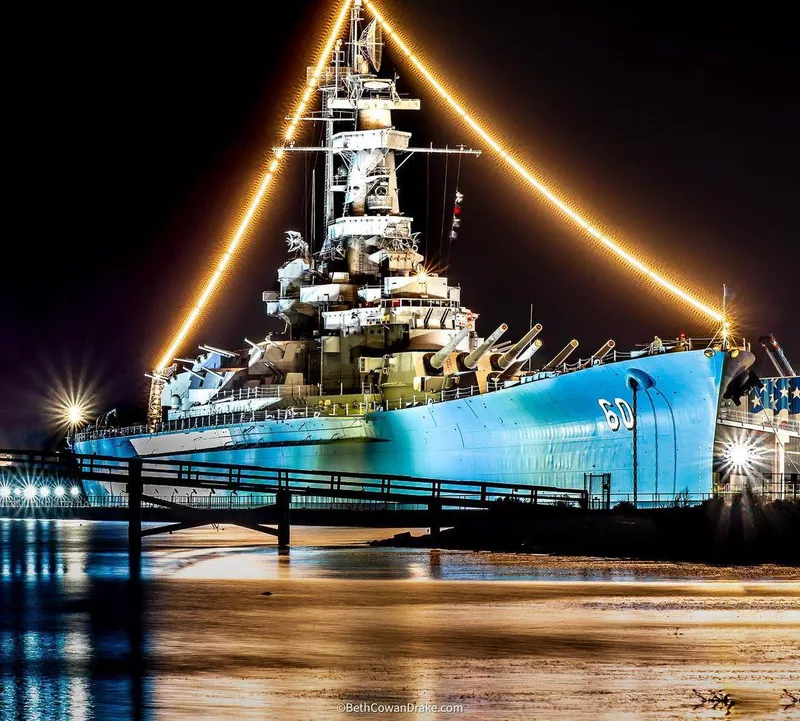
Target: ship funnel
column 470, row 362
column 561, row 356
column 603, row 351
column 523, row 358
column 437, row 359
column 505, row 360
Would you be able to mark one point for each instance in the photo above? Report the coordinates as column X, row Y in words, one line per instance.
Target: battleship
column 380, row 367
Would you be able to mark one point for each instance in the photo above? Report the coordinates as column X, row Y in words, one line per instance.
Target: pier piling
column 135, row 511
column 283, row 501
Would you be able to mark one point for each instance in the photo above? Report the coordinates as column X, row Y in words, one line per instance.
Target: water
column 502, row 635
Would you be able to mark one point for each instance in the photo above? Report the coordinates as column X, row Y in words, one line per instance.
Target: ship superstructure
column 380, row 367
column 363, row 316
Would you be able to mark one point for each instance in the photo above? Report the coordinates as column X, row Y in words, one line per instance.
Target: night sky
column 134, row 134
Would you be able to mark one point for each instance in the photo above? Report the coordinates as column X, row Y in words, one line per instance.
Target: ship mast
column 361, row 162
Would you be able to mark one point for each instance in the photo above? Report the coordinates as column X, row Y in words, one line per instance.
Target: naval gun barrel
column 603, row 351
column 218, row 351
column 470, row 361
column 194, row 373
column 255, row 354
column 524, row 357
column 505, row 360
column 562, row 355
column 437, row 359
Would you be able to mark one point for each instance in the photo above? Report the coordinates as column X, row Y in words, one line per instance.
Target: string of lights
column 259, row 196
column 246, row 220
column 533, row 182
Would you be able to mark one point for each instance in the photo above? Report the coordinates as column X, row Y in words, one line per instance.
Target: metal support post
column 283, row 500
column 135, row 511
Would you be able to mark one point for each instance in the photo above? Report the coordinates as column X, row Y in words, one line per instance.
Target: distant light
column 74, row 491
column 71, row 404
column 553, row 196
column 75, row 414
column 29, row 492
column 740, row 455
column 5, row 491
column 59, row 491
column 44, row 491
column 17, row 491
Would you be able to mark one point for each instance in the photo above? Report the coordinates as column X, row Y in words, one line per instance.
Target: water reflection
column 221, row 626
column 71, row 626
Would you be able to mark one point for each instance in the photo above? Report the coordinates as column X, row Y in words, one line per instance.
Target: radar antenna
column 370, row 44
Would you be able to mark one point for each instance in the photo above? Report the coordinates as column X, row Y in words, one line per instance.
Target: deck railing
column 246, row 394
column 214, row 419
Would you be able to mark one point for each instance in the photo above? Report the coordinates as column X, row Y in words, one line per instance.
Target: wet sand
column 503, row 635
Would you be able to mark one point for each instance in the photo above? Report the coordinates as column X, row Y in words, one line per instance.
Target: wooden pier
column 279, row 497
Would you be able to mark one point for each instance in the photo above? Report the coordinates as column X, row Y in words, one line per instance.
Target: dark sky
column 134, row 133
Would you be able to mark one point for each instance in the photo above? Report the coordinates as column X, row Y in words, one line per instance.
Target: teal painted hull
column 546, row 432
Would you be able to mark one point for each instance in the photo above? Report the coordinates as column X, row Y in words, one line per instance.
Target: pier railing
column 761, row 420
column 208, row 502
column 164, row 475
column 55, row 479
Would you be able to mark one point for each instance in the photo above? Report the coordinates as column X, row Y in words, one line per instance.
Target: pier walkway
column 249, row 496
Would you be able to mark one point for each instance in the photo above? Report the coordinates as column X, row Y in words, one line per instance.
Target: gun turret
column 504, row 361
column 470, row 361
column 436, row 360
column 523, row 358
column 561, row 356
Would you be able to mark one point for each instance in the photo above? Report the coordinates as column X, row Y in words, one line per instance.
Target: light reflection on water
column 505, row 635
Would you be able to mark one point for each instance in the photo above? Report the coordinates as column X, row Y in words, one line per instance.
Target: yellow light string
column 533, row 182
column 255, row 203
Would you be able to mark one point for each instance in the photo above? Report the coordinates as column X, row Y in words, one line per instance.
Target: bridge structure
column 267, row 500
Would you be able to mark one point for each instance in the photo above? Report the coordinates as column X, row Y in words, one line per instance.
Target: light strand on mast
column 537, row 185
column 245, row 223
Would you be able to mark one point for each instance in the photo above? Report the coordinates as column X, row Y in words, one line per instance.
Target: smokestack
column 511, row 354
column 562, row 356
column 437, row 360
column 470, row 362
